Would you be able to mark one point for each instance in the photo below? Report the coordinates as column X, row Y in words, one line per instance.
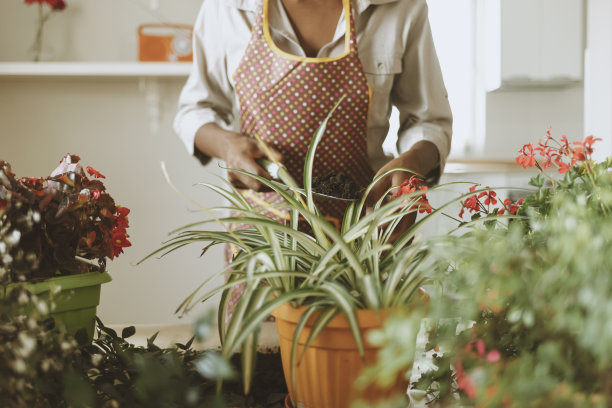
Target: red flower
column 493, row 356
column 565, row 147
column 409, row 186
column 92, row 172
column 490, row 200
column 513, row 207
column 563, row 167
column 588, row 143
column 96, row 194
column 526, row 158
column 423, row 205
column 578, row 153
column 464, row 382
column 474, row 187
column 121, row 220
column 54, row 4
column 122, row 211
column 472, row 203
column 119, row 241
column 480, row 347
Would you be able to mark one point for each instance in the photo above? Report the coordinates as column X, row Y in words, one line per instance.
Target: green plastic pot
column 75, row 303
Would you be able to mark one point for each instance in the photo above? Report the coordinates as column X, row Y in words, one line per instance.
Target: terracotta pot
column 330, row 365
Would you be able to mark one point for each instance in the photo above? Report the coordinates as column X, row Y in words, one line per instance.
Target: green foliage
column 34, row 355
column 538, row 304
column 42, row 366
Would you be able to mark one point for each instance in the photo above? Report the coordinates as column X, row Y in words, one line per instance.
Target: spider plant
column 330, row 271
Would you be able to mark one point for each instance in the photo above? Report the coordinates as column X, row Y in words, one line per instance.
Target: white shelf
column 95, row 69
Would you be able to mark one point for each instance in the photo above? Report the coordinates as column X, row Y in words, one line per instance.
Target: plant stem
column 38, row 39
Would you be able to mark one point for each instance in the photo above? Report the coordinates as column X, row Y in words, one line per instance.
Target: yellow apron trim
column 347, row 37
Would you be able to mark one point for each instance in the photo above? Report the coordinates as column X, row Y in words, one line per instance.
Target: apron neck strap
column 348, row 15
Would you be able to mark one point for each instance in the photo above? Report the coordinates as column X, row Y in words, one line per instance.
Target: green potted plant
column 536, row 309
column 56, row 233
column 335, row 281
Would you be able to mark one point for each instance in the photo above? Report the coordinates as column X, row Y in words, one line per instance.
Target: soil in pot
column 339, row 185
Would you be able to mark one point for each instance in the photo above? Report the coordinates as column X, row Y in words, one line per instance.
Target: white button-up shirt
column 395, row 47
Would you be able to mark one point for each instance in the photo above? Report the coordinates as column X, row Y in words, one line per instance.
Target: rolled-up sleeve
column 419, row 92
column 207, row 95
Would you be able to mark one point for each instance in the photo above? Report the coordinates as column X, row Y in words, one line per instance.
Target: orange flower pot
column 329, row 367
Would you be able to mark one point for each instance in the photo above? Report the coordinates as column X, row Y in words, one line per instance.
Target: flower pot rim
column 66, row 282
column 368, row 318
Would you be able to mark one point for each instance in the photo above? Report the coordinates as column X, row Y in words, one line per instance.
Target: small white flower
column 28, row 344
column 31, row 323
column 42, row 307
column 19, row 366
column 13, row 238
column 45, row 365
column 23, row 298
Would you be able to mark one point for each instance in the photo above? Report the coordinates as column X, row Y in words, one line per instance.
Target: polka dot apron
column 284, row 99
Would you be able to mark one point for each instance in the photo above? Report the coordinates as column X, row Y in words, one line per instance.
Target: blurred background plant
column 42, row 366
column 33, row 355
column 63, row 224
column 527, row 325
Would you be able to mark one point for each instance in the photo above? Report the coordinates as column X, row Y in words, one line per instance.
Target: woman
column 274, row 68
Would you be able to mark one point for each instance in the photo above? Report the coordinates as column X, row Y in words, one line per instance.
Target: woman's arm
column 422, row 101
column 425, row 117
column 204, row 118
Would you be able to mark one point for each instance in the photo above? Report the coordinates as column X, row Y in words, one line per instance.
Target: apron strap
column 347, row 5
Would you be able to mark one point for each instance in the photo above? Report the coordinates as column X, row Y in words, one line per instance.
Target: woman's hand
column 238, row 152
column 422, row 158
column 241, row 153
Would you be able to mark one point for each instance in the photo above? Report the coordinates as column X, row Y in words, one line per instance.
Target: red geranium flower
column 490, row 197
column 526, row 158
column 472, row 203
column 513, row 207
column 409, row 186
